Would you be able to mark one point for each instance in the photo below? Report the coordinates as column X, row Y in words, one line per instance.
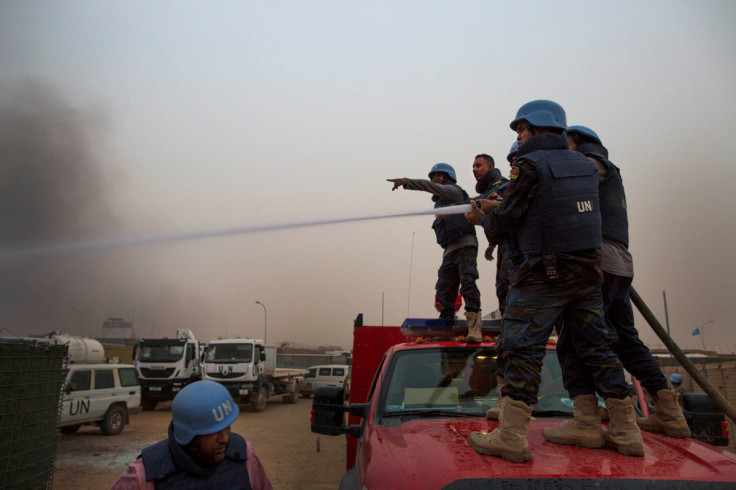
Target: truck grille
column 157, row 373
column 225, row 376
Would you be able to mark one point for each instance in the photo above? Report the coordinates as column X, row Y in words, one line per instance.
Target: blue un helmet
column 445, row 168
column 201, row 408
column 541, row 113
column 676, row 378
column 585, row 131
column 513, row 151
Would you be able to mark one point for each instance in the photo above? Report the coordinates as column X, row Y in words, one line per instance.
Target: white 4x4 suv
column 99, row 394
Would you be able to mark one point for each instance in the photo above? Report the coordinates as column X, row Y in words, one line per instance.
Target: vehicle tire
column 70, row 429
column 148, row 405
column 259, row 402
column 292, row 397
column 114, row 421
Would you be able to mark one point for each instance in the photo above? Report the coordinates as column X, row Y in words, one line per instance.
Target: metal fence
column 31, row 377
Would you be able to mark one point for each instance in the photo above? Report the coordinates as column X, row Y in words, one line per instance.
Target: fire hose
column 680, row 356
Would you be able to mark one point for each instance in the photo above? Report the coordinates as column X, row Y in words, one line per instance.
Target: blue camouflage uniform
column 551, row 206
column 634, row 355
column 459, row 268
column 494, row 182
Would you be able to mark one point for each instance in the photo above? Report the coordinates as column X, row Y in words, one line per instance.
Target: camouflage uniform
column 459, row 269
column 618, row 274
column 494, row 182
column 535, row 304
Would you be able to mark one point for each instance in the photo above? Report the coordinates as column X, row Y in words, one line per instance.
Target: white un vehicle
column 99, row 394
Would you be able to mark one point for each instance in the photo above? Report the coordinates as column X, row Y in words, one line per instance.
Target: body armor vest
column 615, row 220
column 564, row 215
column 166, row 474
column 451, row 227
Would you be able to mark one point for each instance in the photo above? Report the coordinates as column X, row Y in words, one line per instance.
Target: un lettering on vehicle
column 78, row 407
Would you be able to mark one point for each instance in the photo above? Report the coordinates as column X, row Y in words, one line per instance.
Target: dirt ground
column 280, row 436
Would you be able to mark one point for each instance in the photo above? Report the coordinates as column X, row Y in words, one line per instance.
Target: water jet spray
column 86, row 246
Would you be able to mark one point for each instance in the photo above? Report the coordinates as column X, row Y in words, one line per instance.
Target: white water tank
column 81, row 349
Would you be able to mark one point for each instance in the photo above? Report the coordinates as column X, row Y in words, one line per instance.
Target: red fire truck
column 413, row 405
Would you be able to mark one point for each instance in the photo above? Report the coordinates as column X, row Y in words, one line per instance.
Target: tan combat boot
column 667, row 418
column 475, row 320
column 509, row 439
column 495, row 410
column 583, row 430
column 623, row 433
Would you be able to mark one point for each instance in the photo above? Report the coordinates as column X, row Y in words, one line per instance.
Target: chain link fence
column 31, row 378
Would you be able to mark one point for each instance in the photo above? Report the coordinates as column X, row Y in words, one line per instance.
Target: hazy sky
column 134, row 118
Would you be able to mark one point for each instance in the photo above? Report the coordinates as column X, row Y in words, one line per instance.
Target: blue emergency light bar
column 444, row 328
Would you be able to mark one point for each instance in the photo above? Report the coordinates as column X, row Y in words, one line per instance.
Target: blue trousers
column 632, row 352
column 534, row 307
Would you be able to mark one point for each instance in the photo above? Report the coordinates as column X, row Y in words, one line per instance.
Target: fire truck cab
column 413, row 405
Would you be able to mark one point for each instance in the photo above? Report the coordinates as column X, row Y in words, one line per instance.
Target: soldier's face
column 438, row 178
column 523, row 133
column 571, row 144
column 480, row 168
column 210, row 449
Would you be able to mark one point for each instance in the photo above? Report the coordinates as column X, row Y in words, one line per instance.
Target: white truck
column 165, row 366
column 247, row 368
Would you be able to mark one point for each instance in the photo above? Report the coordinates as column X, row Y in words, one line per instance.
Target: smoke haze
column 55, row 186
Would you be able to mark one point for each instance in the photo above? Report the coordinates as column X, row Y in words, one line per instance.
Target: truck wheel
column 70, row 429
column 292, row 397
column 259, row 402
column 114, row 421
column 148, row 405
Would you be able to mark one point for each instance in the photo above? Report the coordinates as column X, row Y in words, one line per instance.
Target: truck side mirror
column 263, row 355
column 327, row 411
column 135, row 351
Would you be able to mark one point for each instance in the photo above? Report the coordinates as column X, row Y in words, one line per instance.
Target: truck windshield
column 229, row 353
column 161, row 353
column 461, row 380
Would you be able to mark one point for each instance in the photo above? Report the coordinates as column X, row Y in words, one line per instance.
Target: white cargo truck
column 165, row 366
column 247, row 368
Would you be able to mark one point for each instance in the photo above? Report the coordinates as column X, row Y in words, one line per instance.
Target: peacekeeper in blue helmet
column 200, row 451
column 551, row 207
column 459, row 269
column 618, row 273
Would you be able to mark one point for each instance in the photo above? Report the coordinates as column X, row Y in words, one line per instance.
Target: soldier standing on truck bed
column 551, row 206
column 456, row 236
column 618, row 272
column 200, row 451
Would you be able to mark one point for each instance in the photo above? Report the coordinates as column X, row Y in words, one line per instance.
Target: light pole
column 702, row 332
column 81, row 320
column 265, row 321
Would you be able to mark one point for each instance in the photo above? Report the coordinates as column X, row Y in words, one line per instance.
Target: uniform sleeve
column 134, row 478
column 258, row 477
column 511, row 213
column 451, row 192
